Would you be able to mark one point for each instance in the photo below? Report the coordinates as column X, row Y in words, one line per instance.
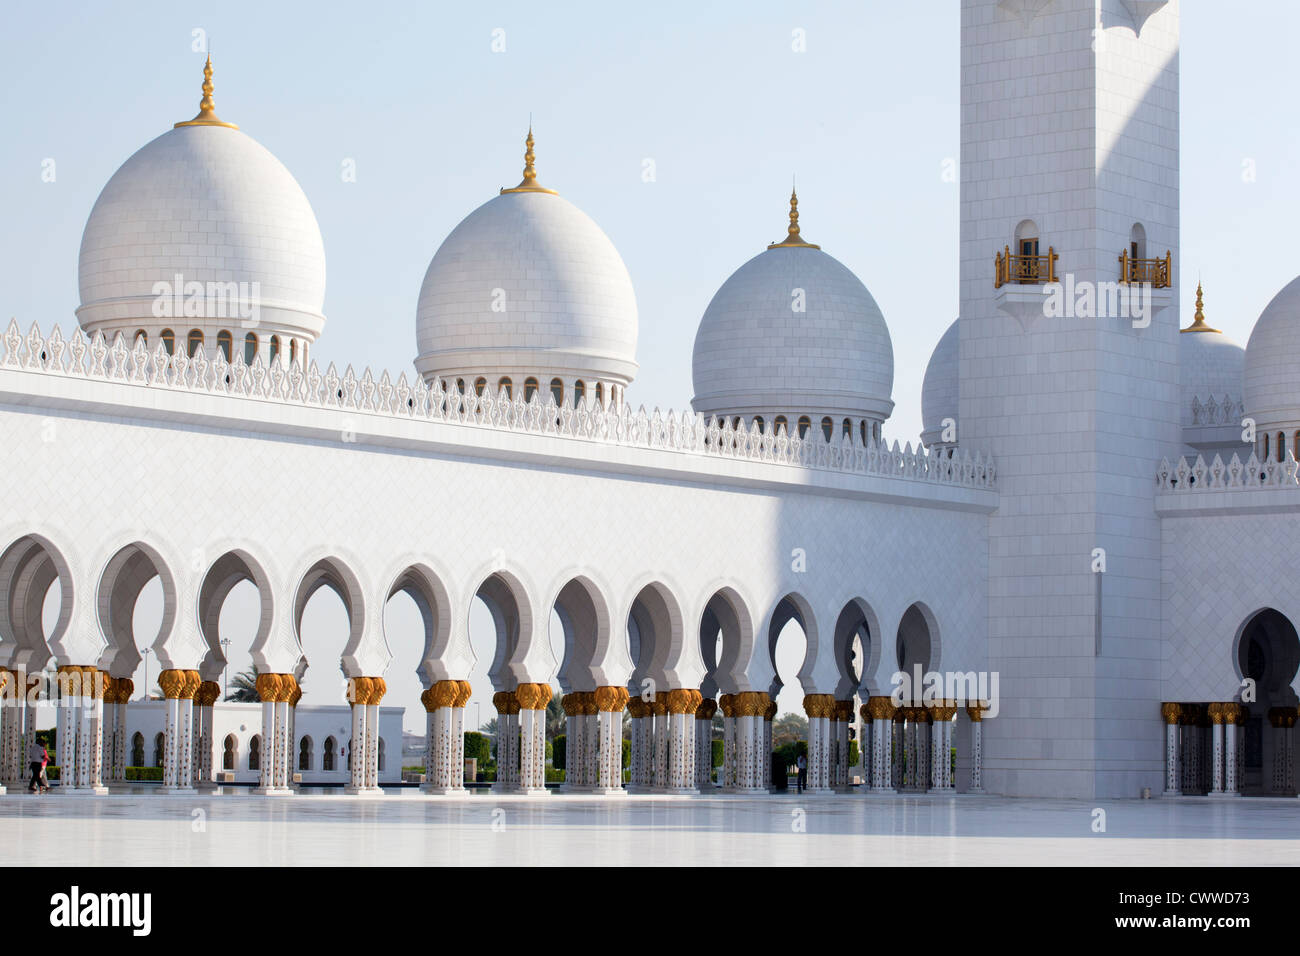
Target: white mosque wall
column 304, row 486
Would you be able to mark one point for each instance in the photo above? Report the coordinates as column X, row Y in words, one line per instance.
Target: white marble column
column 766, row 749
column 727, row 775
column 976, row 714
column 1217, row 749
column 69, row 696
column 440, row 757
column 359, row 692
column 681, row 706
column 574, row 777
column 125, row 688
column 610, row 702
column 819, row 708
column 205, row 730
column 881, row 727
column 463, row 693
column 1169, row 713
column 897, row 764
column 6, row 689
column 532, row 698
column 637, row 759
column 178, row 687
column 1232, row 779
column 378, row 688
column 704, row 744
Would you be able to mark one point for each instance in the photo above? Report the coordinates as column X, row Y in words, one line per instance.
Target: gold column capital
column 1170, row 712
column 708, row 707
column 463, row 693
column 819, row 705
column 172, row 683
column 611, row 699
column 880, row 708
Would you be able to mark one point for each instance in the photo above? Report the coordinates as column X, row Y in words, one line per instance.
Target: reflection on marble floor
column 405, row 827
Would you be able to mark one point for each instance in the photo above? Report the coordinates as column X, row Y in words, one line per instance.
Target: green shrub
column 560, row 752
column 853, row 753
column 554, row 776
column 146, row 774
column 478, row 747
column 627, row 753
column 717, row 753
column 51, row 772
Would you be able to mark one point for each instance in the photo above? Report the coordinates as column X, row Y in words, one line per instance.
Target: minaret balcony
column 1155, row 272
column 1023, row 270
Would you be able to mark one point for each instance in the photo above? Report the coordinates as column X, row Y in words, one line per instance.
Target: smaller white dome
column 527, row 285
column 939, row 389
column 793, row 331
column 1272, row 367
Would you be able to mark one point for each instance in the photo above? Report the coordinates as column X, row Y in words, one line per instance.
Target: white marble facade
column 1056, row 529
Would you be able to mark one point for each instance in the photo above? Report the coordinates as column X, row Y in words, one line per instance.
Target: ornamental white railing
column 619, row 425
column 1218, row 476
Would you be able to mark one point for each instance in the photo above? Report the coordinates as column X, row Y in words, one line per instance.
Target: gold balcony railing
column 1154, row 271
column 1026, row 270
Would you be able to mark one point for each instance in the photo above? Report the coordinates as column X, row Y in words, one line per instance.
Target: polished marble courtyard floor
column 408, row 828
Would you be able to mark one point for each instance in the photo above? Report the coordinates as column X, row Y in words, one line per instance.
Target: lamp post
column 225, row 671
column 478, row 715
column 145, row 695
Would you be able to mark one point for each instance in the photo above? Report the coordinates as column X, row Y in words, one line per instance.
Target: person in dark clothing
column 801, row 776
column 36, row 758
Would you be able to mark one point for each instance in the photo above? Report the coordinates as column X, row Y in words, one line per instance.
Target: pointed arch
column 125, row 576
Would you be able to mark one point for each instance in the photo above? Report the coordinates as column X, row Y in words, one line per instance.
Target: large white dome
column 1273, row 361
column 528, row 285
column 208, row 203
column 939, row 389
column 756, row 354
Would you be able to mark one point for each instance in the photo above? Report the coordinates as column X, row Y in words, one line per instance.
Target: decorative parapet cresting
column 1218, row 476
column 618, row 425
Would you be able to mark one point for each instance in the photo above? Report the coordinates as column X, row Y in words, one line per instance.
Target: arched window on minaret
column 1281, row 446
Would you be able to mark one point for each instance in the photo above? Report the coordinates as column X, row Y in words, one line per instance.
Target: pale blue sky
column 713, row 94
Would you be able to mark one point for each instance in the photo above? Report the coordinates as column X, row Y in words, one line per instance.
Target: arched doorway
column 1268, row 653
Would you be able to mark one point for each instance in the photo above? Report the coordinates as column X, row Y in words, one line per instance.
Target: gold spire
column 793, row 239
column 1198, row 320
column 529, row 183
column 207, row 113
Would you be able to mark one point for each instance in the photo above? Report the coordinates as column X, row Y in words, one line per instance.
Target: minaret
column 1070, row 165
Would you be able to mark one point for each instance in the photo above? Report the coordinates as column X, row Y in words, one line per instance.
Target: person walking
column 801, row 774
column 36, row 758
column 45, row 762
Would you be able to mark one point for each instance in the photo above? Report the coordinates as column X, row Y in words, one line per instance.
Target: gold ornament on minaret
column 529, row 183
column 792, row 238
column 207, row 112
column 1198, row 320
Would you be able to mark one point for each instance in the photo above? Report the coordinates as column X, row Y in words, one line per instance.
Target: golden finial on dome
column 207, row 112
column 793, row 239
column 1198, row 320
column 529, row 183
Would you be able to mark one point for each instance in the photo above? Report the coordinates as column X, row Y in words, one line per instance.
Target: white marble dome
column 1272, row 373
column 210, row 204
column 528, row 286
column 756, row 356
column 1210, row 366
column 939, row 389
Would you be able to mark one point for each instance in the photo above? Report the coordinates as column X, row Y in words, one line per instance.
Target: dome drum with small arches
column 527, row 286
column 793, row 336
column 204, row 238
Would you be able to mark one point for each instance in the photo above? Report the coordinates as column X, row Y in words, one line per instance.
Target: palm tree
column 245, row 688
column 555, row 722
